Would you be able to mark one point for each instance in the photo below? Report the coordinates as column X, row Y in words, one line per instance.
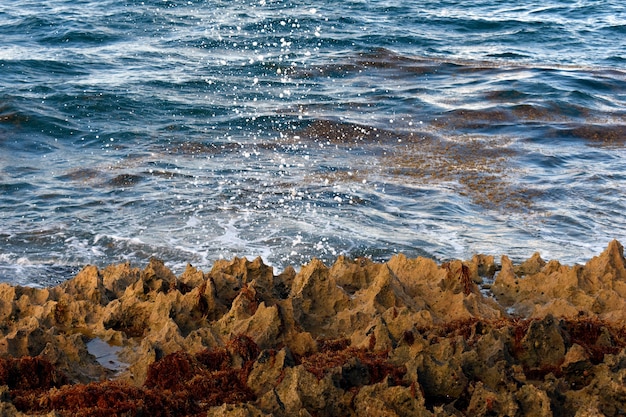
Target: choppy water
column 196, row 130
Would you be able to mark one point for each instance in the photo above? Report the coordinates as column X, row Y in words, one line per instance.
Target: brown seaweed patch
column 359, row 366
column 480, row 166
column 29, row 373
column 530, row 112
column 14, row 118
column 350, row 133
column 601, row 135
column 244, row 347
column 596, row 337
column 178, row 384
column 166, row 174
column 217, row 359
column 386, row 58
column 379, row 58
column 199, row 148
column 472, row 119
column 104, row 399
column 81, row 174
column 125, row 180
column 208, row 377
column 173, row 371
column 505, row 96
column 359, row 175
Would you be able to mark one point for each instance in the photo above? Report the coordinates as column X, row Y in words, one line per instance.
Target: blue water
column 199, row 130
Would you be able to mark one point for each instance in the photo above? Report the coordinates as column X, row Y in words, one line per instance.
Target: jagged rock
column 444, row 290
column 575, row 354
column 482, row 266
column 263, row 326
column 268, row 370
column 236, row 410
column 488, row 361
column 532, row 401
column 70, row 355
column 87, row 285
column 7, row 409
column 486, row 402
column 190, row 278
column 116, row 278
column 317, row 299
column 543, row 345
column 597, row 288
column 440, row 373
column 27, row 340
column 300, row 389
column 531, row 266
column 384, row 400
column 406, row 337
column 230, row 276
column 157, row 277
column 606, row 392
column 7, row 300
column 608, row 270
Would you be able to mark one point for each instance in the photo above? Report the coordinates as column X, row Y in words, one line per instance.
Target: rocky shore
column 408, row 337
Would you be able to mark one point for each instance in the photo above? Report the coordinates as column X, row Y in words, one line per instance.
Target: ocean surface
column 198, row 130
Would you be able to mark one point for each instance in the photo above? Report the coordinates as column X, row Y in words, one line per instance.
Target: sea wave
column 200, row 130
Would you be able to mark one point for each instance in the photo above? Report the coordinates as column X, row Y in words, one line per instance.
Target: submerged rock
column 408, row 337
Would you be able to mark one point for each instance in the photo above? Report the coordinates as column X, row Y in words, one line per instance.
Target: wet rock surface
column 408, row 337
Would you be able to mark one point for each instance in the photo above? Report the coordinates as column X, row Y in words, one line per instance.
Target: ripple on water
column 192, row 131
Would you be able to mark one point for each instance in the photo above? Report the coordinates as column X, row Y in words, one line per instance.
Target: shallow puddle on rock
column 106, row 355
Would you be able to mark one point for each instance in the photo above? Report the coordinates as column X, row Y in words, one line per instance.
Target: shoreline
column 404, row 337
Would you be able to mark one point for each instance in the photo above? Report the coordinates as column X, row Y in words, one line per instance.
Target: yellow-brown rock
column 402, row 338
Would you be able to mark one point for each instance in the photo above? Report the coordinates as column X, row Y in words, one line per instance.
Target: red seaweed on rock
column 178, row 384
column 111, row 398
column 596, row 337
column 244, row 347
column 173, row 371
column 217, row 359
column 207, row 377
column 372, row 367
column 29, row 373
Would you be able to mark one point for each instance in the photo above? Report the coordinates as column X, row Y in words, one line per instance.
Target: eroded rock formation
column 408, row 337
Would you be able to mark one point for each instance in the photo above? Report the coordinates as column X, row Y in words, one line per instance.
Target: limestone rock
column 543, row 345
column 157, row 277
column 530, row 266
column 384, row 400
column 597, row 288
column 300, row 389
column 116, row 278
column 405, row 337
column 533, row 401
column 237, row 410
column 440, row 373
column 268, row 370
column 316, row 298
column 87, row 285
column 486, row 402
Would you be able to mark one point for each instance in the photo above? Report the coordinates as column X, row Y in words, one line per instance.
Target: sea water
column 198, row 130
